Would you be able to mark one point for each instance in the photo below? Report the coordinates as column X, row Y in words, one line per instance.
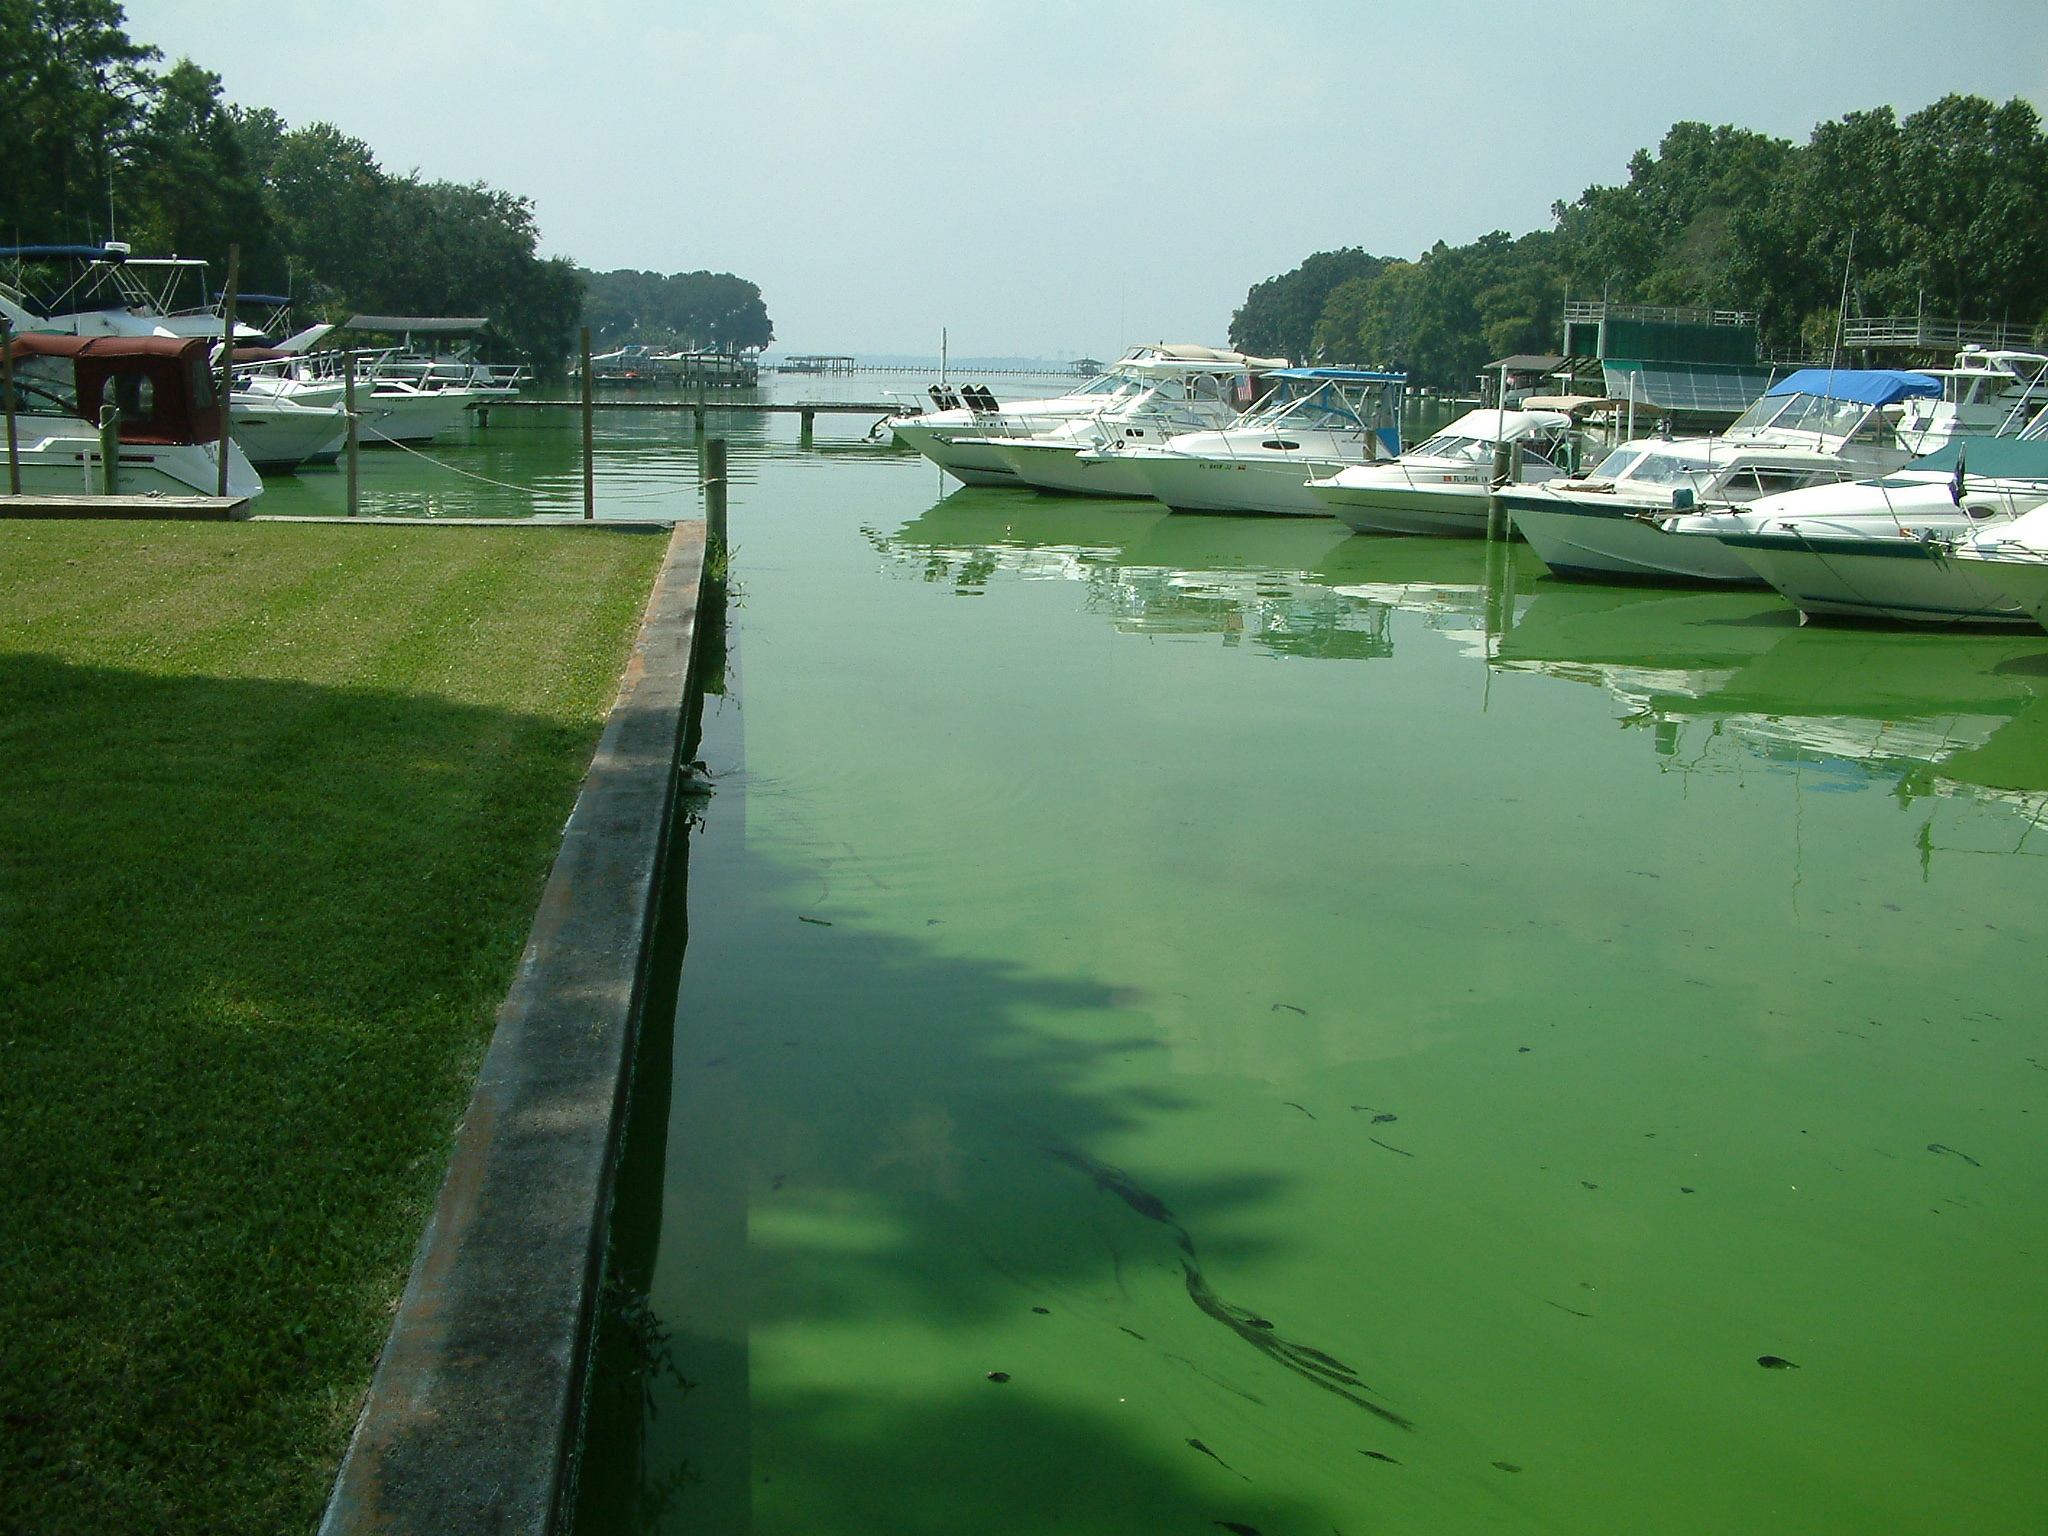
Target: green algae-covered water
column 1205, row 1023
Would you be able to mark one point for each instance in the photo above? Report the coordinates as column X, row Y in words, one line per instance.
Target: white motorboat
column 279, row 435
column 1444, row 485
column 168, row 410
column 1986, row 394
column 1313, row 423
column 1918, row 546
column 2013, row 561
column 1818, row 427
column 1073, row 459
column 953, row 434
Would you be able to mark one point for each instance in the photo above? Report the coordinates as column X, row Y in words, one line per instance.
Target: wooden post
column 7, row 387
column 714, row 504
column 110, row 450
column 227, row 361
column 589, row 466
column 355, row 440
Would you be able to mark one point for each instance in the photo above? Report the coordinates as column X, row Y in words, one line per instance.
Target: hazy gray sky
column 1055, row 178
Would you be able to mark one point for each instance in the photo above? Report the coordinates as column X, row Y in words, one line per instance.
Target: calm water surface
column 1199, row 1023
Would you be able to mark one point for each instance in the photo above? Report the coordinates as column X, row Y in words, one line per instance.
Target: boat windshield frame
column 1345, row 405
column 1812, row 415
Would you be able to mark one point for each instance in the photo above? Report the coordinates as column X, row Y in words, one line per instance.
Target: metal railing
column 1592, row 311
column 1934, row 331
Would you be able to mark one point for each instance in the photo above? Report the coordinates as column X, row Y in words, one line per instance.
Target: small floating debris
column 1775, row 1363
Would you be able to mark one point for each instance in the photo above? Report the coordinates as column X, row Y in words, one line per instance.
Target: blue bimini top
column 1867, row 386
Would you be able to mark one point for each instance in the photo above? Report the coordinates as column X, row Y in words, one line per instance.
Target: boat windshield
column 1327, row 407
column 46, row 386
column 1655, row 468
column 1449, row 445
column 1105, row 384
column 1803, row 413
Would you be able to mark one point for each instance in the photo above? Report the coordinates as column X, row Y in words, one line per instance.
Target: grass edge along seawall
column 280, row 808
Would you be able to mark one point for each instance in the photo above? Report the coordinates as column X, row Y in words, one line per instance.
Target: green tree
column 188, row 184
column 1442, row 317
column 1279, row 316
column 1663, row 237
column 689, row 309
column 73, row 85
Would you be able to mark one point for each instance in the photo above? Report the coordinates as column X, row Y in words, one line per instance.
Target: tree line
column 100, row 141
column 1943, row 213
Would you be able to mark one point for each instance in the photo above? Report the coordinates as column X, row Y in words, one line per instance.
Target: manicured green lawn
column 276, row 803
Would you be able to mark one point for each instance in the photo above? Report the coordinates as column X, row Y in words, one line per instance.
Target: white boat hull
column 2024, row 582
column 279, row 436
column 1277, row 486
column 409, row 417
column 1065, row 470
column 1607, row 543
column 62, row 458
column 963, row 453
column 1450, row 511
column 1907, row 580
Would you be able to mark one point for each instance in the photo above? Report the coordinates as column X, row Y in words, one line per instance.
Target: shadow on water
column 854, row 1135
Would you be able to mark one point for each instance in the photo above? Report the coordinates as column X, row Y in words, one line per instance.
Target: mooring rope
column 506, row 485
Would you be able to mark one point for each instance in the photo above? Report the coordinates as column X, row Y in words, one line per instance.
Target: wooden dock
column 202, row 509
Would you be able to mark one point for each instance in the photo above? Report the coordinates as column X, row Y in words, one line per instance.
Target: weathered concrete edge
column 471, row 1421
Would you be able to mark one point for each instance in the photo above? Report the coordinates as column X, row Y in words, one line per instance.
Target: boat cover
column 1991, row 458
column 1866, row 386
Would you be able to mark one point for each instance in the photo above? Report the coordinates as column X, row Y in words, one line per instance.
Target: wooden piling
column 355, row 440
column 228, row 300
column 714, row 507
column 110, row 450
column 589, row 463
column 7, row 389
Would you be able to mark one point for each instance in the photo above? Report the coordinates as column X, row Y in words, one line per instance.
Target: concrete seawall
column 472, row 1420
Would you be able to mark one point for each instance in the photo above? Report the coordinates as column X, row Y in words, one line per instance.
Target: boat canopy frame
column 162, row 386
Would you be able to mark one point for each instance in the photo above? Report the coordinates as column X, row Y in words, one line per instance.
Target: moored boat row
column 1823, row 488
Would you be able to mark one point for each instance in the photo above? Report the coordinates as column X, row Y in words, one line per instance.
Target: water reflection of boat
column 1652, row 628
column 1290, row 587
column 1875, row 700
column 1822, row 670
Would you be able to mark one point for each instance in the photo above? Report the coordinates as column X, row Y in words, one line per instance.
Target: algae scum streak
column 1199, row 1023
